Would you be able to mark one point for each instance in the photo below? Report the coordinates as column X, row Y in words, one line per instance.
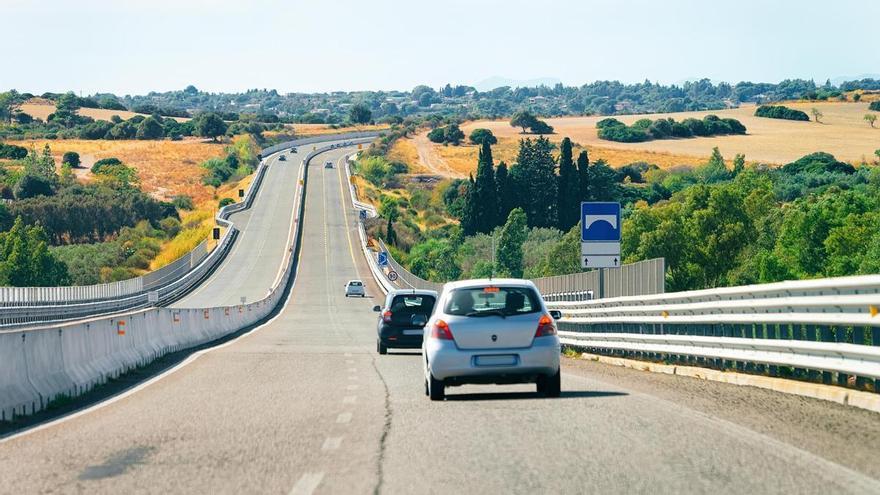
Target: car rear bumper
column 395, row 337
column 457, row 366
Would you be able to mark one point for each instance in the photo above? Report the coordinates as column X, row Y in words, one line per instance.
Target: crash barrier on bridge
column 39, row 366
column 26, row 305
column 826, row 329
column 633, row 279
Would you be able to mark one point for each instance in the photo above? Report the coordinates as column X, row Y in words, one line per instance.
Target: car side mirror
column 419, row 320
column 377, row 308
column 555, row 314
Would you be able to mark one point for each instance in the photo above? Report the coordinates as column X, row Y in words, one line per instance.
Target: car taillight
column 545, row 327
column 386, row 317
column 440, row 330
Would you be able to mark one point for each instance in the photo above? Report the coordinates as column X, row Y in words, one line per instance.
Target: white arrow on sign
column 598, row 261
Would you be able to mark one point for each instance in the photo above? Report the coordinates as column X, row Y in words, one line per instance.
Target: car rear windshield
column 356, row 283
column 405, row 305
column 487, row 301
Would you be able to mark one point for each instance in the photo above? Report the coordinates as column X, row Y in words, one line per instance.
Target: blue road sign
column 383, row 258
column 600, row 222
column 363, row 214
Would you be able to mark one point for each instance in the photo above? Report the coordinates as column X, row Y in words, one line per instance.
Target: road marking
column 352, row 378
column 352, row 370
column 332, row 443
column 344, row 211
column 351, row 387
column 349, row 361
column 347, row 354
column 307, row 484
column 349, row 399
column 344, row 417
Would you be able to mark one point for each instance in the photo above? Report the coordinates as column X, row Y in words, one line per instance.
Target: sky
column 136, row 46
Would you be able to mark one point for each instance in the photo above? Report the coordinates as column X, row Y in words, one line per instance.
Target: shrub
column 71, row 158
column 226, row 202
column 874, row 106
column 12, row 152
column 781, row 112
column 31, row 185
column 478, row 136
column 437, row 135
column 183, row 202
column 105, row 162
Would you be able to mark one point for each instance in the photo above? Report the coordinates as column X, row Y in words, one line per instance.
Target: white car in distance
column 354, row 288
column 491, row 331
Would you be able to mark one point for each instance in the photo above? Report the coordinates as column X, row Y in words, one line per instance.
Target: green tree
column 360, row 113
column 453, row 134
column 484, row 195
column 536, row 181
column 583, row 171
column 510, row 246
column 479, row 136
column 870, row 118
column 468, row 214
column 715, row 170
column 25, row 260
column 568, row 203
column 523, row 119
column 504, row 190
column 71, row 158
column 437, row 135
column 817, row 114
column 209, row 125
column 150, row 128
column 739, row 164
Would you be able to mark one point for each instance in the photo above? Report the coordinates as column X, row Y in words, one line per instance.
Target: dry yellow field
column 166, row 168
column 843, row 133
column 42, row 110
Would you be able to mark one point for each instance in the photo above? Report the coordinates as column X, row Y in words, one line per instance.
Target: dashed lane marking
column 344, row 418
column 349, row 399
column 332, row 443
column 307, row 483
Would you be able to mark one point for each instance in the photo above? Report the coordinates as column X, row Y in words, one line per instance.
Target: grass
column 166, row 168
column 843, row 133
column 40, row 109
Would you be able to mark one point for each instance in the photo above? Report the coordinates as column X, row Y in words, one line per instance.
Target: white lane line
column 332, row 443
column 344, row 418
column 347, row 354
column 307, row 483
column 349, row 399
column 349, row 361
column 352, row 370
column 351, row 387
column 352, row 378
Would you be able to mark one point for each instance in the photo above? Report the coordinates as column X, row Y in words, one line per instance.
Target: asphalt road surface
column 305, row 405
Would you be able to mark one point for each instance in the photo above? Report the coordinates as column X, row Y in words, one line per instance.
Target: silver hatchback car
column 491, row 331
column 354, row 288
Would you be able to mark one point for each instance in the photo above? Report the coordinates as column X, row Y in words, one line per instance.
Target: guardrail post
column 875, row 340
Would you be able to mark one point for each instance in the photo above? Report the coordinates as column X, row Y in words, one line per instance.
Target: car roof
column 417, row 292
column 353, row 280
column 495, row 282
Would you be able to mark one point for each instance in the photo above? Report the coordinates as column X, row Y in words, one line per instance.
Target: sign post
column 600, row 238
column 383, row 258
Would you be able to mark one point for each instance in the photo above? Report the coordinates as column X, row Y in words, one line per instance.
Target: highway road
column 304, row 405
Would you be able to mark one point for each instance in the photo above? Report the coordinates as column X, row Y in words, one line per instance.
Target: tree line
column 646, row 129
column 781, row 112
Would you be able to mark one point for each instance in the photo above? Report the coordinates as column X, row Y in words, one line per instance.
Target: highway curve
column 304, row 404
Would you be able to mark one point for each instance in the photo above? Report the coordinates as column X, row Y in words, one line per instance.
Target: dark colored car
column 402, row 319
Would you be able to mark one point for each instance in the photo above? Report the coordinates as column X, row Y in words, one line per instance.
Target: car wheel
column 550, row 386
column 381, row 348
column 435, row 388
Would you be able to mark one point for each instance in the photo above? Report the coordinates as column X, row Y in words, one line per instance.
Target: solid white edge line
column 307, row 483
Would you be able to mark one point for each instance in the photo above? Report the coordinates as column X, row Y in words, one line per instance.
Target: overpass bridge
column 301, row 403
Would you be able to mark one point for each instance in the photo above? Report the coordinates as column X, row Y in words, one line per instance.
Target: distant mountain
column 838, row 80
column 498, row 81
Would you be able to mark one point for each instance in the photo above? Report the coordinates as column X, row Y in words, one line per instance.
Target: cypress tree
column 484, row 196
column 504, row 191
column 510, row 247
column 568, row 188
column 583, row 166
column 390, row 235
column 468, row 216
column 538, row 180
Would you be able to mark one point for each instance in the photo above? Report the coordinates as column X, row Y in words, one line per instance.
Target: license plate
column 496, row 360
column 413, row 332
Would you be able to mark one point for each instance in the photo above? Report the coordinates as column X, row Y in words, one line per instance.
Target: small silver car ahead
column 491, row 331
column 354, row 288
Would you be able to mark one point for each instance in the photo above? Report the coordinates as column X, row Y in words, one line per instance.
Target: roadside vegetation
column 645, row 129
column 781, row 112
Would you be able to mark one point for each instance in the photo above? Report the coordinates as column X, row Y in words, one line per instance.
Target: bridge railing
column 27, row 305
column 39, row 365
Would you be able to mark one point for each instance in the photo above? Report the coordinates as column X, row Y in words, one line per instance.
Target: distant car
column 328, row 165
column 292, row 150
column 491, row 331
column 282, row 158
column 402, row 319
column 354, row 288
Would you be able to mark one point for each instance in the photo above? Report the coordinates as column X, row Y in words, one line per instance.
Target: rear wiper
column 490, row 312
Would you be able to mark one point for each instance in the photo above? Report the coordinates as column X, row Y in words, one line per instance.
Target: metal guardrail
column 819, row 326
column 28, row 305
